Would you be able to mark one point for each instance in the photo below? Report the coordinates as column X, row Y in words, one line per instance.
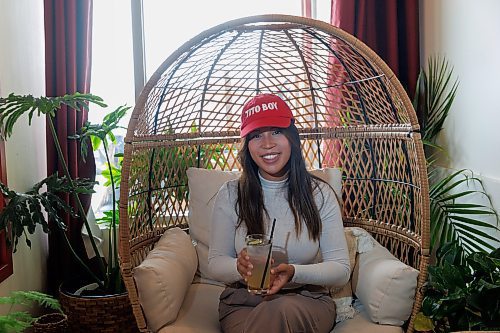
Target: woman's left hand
column 280, row 275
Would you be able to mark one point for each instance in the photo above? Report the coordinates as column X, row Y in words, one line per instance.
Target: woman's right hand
column 243, row 264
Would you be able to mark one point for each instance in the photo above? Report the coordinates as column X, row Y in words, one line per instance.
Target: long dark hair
column 301, row 186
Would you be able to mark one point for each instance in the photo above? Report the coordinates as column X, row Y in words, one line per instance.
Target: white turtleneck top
column 227, row 240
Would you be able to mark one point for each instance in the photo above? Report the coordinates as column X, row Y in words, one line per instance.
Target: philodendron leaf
column 24, row 211
column 480, row 263
column 488, row 303
column 97, row 133
column 495, row 253
column 107, row 218
column 452, row 277
column 450, row 252
column 454, row 302
column 116, row 174
column 430, row 306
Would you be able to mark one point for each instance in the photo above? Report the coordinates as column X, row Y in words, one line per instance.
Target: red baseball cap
column 265, row 110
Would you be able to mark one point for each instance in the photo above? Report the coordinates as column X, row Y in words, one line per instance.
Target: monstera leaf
column 26, row 209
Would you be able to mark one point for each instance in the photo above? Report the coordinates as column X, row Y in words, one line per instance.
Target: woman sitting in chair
column 309, row 246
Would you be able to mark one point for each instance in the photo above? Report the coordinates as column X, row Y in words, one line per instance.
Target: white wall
column 467, row 33
column 22, row 62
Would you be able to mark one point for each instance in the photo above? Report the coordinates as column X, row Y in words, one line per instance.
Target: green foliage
column 14, row 106
column 455, row 221
column 455, row 215
column 102, row 134
column 113, row 173
column 18, row 321
column 26, row 208
column 434, row 96
column 463, row 291
column 169, row 164
column 108, row 217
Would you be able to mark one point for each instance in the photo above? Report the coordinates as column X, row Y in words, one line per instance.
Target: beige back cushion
column 164, row 277
column 384, row 285
column 203, row 187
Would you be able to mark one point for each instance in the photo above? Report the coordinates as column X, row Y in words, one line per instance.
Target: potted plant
column 463, row 291
column 23, row 211
column 459, row 235
column 18, row 321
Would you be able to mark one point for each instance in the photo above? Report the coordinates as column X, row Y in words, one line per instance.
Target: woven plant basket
column 103, row 314
column 51, row 323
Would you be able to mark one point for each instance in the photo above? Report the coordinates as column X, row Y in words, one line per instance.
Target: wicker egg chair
column 351, row 111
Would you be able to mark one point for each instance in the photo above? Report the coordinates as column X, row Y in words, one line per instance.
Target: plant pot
column 51, row 323
column 103, row 314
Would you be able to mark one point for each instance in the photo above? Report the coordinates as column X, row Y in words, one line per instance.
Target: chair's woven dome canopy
column 202, row 87
column 351, row 111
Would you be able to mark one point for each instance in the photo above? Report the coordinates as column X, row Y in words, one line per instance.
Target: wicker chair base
column 103, row 314
column 51, row 323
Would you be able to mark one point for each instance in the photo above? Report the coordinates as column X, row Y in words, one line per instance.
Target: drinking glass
column 259, row 250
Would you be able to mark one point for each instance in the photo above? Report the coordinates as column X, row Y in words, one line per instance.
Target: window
column 6, row 268
column 167, row 28
column 163, row 26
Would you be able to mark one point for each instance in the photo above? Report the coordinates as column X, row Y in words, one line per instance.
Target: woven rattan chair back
column 350, row 109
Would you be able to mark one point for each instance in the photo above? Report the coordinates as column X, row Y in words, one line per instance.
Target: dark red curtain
column 306, row 8
column 389, row 27
column 68, row 36
column 6, row 268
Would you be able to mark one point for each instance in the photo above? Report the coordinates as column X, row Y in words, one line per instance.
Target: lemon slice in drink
column 255, row 242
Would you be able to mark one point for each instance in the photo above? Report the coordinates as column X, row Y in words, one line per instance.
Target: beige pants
column 308, row 309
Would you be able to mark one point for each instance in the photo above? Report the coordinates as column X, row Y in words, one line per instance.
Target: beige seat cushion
column 199, row 313
column 203, row 187
column 362, row 324
column 333, row 176
column 166, row 274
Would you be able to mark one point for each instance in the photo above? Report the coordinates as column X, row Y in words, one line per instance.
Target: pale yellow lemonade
column 258, row 251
